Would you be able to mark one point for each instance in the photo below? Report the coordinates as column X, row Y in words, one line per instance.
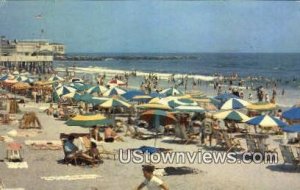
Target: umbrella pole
column 156, row 125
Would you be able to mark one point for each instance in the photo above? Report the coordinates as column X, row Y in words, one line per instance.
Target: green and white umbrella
column 97, row 89
column 115, row 91
column 55, row 78
column 181, row 102
column 98, row 100
column 113, row 102
column 63, row 90
column 89, row 121
column 171, row 92
column 231, row 115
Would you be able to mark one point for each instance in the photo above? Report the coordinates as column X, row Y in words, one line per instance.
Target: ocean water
column 281, row 67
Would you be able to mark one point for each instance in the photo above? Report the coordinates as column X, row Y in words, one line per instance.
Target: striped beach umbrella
column 292, row 114
column 115, row 82
column 154, row 106
column 79, row 86
column 234, row 103
column 132, row 93
column 231, row 115
column 87, row 98
column 172, row 92
column 114, row 91
column 292, row 129
column 266, row 121
column 98, row 100
column 97, row 89
column 89, row 120
column 63, row 90
column 55, row 78
column 142, row 98
column 72, row 95
column 225, row 96
column 113, row 102
column 195, row 109
column 163, row 117
column 182, row 102
column 3, row 78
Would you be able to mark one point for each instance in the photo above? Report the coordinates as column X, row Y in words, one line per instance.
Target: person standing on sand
column 151, row 182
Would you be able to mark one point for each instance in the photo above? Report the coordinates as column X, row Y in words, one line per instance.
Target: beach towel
column 71, row 177
column 16, row 165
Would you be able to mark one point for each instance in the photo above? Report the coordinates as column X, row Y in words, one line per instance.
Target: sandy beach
column 114, row 175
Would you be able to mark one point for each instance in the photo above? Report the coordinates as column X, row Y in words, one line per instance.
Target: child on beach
column 151, row 182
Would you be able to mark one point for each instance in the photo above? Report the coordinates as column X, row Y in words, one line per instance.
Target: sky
column 156, row 26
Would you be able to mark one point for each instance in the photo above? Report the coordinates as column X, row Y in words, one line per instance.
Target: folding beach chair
column 288, row 155
column 230, row 143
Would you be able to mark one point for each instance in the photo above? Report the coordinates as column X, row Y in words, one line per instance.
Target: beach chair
column 107, row 153
column 288, row 155
column 184, row 136
column 264, row 147
column 230, row 143
column 13, row 152
column 251, row 144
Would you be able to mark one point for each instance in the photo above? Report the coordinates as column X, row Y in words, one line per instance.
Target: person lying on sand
column 151, row 182
column 110, row 135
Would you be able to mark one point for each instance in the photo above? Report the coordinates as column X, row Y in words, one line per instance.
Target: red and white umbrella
column 115, row 82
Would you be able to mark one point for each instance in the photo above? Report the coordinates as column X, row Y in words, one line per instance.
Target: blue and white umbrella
column 266, row 121
column 292, row 114
column 3, row 78
column 225, row 96
column 24, row 79
column 132, row 93
column 55, row 78
column 97, row 89
column 171, row 92
column 234, row 103
column 63, row 90
column 80, row 86
column 115, row 91
column 292, row 129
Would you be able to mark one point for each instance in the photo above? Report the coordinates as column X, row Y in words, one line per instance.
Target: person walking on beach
column 151, row 182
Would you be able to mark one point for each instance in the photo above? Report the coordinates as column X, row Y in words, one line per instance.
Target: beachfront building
column 29, row 55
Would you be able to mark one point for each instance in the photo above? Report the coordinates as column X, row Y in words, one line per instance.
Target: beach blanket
column 71, row 177
column 16, row 165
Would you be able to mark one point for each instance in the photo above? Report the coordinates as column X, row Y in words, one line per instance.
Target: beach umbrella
column 113, row 102
column 10, row 81
column 115, row 82
column 195, row 109
column 132, row 93
column 266, row 121
column 262, row 106
column 63, row 90
column 89, row 120
column 80, row 86
column 97, row 89
column 3, row 78
column 292, row 129
column 21, row 86
column 73, row 95
column 172, row 92
column 114, row 91
column 24, row 79
column 87, row 98
column 154, row 106
column 159, row 116
column 292, row 114
column 234, row 103
column 142, row 98
column 231, row 115
column 156, row 95
column 226, row 96
column 182, row 102
column 55, row 78
column 98, row 100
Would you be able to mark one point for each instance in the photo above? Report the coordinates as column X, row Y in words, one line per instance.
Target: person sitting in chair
column 72, row 150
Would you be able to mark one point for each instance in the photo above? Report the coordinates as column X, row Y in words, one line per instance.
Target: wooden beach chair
column 230, row 143
column 288, row 155
column 182, row 134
